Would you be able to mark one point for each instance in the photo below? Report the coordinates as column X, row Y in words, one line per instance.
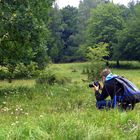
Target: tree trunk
column 117, row 64
column 9, row 80
column 107, row 63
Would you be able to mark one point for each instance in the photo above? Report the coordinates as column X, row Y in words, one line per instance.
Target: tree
column 105, row 21
column 129, row 38
column 55, row 45
column 96, row 55
column 69, row 21
column 84, row 14
column 24, row 31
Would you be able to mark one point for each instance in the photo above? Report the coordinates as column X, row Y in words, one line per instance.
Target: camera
column 96, row 83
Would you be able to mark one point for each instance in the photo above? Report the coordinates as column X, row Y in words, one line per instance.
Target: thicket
column 19, row 71
column 50, row 78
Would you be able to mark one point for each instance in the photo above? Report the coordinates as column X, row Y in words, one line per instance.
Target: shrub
column 22, row 70
column 96, row 55
column 50, row 78
column 94, row 70
column 19, row 71
column 62, row 79
column 5, row 73
column 46, row 78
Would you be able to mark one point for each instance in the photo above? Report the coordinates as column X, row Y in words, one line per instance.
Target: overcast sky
column 63, row 3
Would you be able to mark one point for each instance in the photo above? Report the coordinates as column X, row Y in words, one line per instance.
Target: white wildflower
column 4, row 103
column 41, row 116
column 26, row 113
column 5, row 109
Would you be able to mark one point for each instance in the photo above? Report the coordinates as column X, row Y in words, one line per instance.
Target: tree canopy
column 38, row 31
column 23, row 31
column 129, row 38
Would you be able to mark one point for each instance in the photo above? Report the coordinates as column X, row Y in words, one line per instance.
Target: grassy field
column 64, row 112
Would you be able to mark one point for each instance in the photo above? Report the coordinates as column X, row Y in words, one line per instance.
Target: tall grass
column 63, row 112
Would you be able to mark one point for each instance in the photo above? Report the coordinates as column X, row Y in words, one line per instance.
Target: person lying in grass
column 123, row 93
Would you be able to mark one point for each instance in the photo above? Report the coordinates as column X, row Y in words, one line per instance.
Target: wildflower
column 5, row 93
column 21, row 109
column 13, row 124
column 4, row 103
column 12, row 113
column 26, row 113
column 5, row 109
column 17, row 122
column 41, row 116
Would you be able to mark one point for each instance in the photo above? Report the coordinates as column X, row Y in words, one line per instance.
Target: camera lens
column 91, row 85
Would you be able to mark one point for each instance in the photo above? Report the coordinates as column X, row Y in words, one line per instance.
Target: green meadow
column 30, row 111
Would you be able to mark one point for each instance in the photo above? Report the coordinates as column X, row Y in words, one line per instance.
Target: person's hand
column 101, row 87
column 96, row 88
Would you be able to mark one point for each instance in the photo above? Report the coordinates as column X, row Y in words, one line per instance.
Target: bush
column 22, row 70
column 51, row 78
column 62, row 79
column 19, row 71
column 94, row 70
column 48, row 78
column 5, row 73
column 96, row 55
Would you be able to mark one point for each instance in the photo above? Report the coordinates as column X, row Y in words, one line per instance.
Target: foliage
column 69, row 21
column 104, row 22
column 98, row 52
column 50, row 78
column 129, row 38
column 24, row 31
column 36, row 31
column 46, row 78
column 97, row 55
column 26, row 71
column 3, row 72
column 73, row 29
column 20, row 71
column 84, row 14
column 55, row 44
column 68, row 26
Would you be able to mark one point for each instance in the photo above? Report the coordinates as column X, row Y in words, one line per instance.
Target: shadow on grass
column 125, row 65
